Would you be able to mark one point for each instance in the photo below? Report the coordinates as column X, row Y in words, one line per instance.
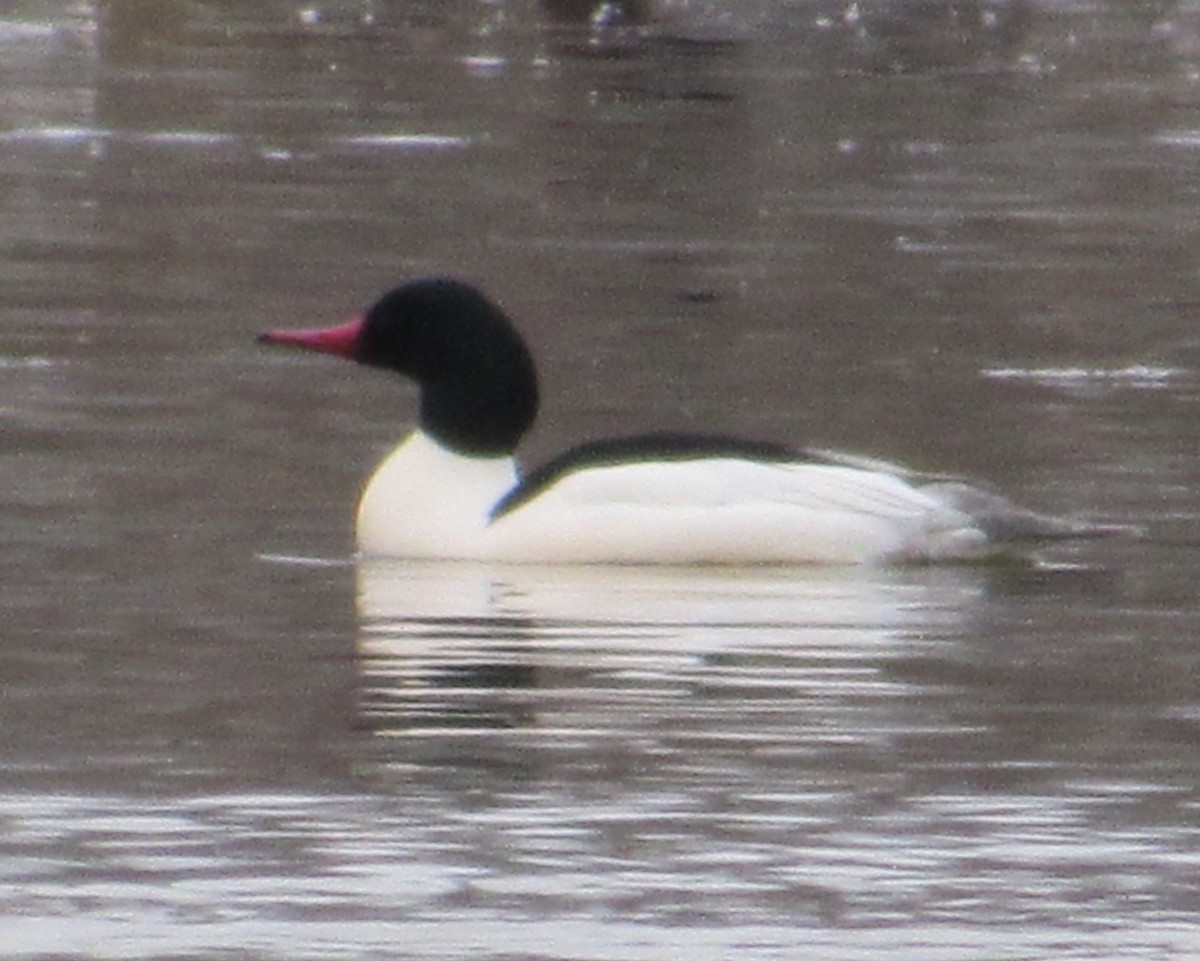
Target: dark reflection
column 598, row 14
column 480, row 692
column 913, row 35
column 894, row 36
column 1098, row 583
column 143, row 33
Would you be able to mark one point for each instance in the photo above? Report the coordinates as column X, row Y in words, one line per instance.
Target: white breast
column 426, row 501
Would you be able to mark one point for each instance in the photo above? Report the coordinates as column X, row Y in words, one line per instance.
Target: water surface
column 959, row 236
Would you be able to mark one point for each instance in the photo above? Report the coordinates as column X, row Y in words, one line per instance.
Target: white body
column 428, row 502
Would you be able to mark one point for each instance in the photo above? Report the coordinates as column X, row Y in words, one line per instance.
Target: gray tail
column 1007, row 523
column 1002, row 521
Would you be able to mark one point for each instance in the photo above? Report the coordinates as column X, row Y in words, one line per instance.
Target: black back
column 660, row 446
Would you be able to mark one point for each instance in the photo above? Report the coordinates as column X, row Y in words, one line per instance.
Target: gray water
column 959, row 235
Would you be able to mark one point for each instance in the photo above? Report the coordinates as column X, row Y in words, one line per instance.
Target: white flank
column 427, row 502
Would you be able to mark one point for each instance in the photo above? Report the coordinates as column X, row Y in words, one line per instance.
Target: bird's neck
column 427, row 500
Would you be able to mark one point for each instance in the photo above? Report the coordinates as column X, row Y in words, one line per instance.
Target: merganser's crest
column 452, row 490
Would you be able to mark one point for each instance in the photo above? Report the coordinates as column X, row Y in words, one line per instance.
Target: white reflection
column 628, row 653
column 406, row 141
column 1067, row 378
column 392, row 594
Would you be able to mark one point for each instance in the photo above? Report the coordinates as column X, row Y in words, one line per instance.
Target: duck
column 453, row 489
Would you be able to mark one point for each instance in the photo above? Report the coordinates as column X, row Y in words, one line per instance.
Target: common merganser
column 452, row 490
